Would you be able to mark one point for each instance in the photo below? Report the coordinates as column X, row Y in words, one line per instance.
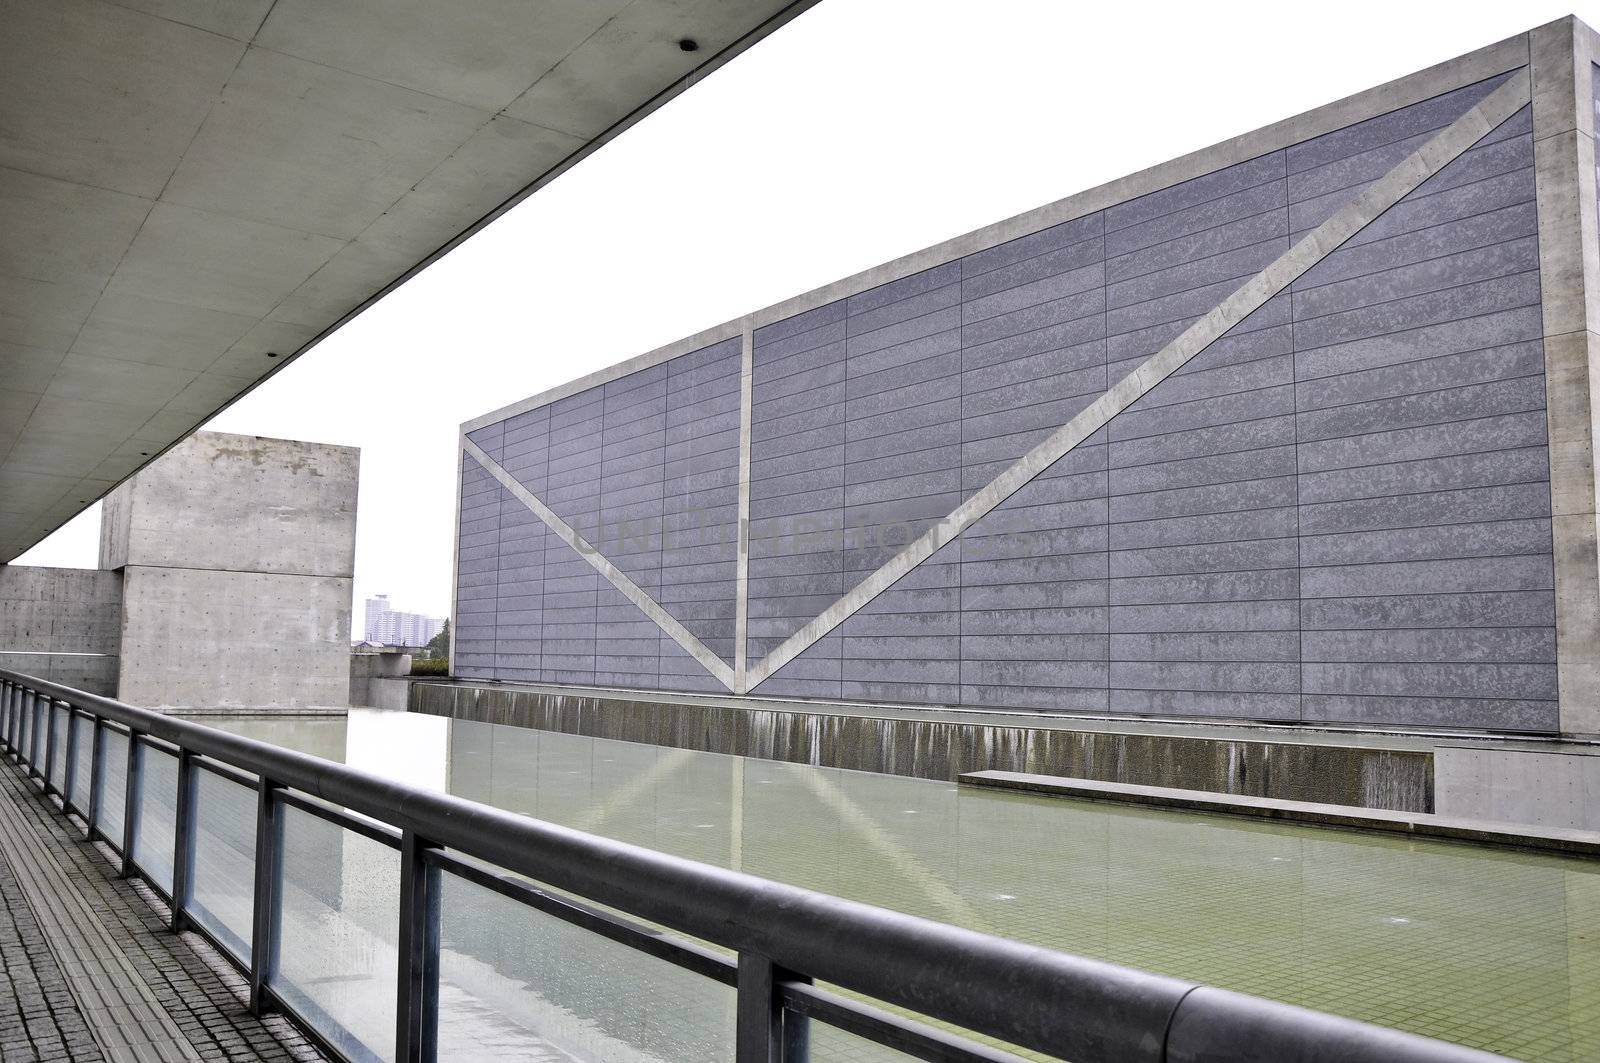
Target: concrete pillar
column 1569, row 263
column 237, row 555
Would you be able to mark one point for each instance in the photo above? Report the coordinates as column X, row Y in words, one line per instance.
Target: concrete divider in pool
column 1418, row 824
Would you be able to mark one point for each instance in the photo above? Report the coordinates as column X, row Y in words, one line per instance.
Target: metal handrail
column 785, row 937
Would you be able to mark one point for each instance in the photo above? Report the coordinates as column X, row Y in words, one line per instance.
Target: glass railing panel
column 337, row 901
column 58, row 753
column 113, row 785
column 82, row 760
column 158, row 813
column 222, row 885
column 516, row 983
column 29, row 724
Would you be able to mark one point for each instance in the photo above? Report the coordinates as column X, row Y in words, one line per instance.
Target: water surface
column 1491, row 948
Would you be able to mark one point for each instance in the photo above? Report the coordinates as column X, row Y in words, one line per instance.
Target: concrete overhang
column 194, row 192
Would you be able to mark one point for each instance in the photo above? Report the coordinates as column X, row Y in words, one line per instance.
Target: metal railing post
column 130, row 804
column 97, row 752
column 183, row 841
column 263, row 922
column 796, row 1030
column 416, row 1018
column 764, row 1031
column 69, row 764
column 758, row 1017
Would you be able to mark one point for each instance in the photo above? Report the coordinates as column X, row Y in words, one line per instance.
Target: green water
column 1495, row 949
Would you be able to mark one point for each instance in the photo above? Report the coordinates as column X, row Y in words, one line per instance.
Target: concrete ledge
column 1365, row 771
column 1416, row 824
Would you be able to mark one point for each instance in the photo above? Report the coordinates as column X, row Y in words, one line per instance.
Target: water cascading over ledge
column 1364, row 775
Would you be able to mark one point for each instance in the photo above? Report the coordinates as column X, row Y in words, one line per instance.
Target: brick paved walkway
column 89, row 970
column 39, row 1019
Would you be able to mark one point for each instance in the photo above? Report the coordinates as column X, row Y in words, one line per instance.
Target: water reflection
column 1495, row 949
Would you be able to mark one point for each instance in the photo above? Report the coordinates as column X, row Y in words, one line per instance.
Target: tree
column 439, row 645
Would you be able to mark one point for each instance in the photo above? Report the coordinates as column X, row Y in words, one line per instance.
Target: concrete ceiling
column 189, row 185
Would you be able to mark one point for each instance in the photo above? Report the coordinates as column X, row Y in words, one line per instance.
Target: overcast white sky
column 864, row 130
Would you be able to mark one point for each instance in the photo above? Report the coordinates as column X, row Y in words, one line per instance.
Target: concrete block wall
column 1337, row 510
column 367, row 667
column 61, row 624
column 236, row 555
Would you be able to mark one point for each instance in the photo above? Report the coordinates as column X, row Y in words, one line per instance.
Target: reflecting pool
column 1491, row 948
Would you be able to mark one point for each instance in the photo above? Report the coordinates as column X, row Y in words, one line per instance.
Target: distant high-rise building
column 389, row 627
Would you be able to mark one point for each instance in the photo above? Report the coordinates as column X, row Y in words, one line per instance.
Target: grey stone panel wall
column 571, row 587
column 902, row 473
column 1202, row 611
column 646, row 468
column 1426, row 555
column 797, row 492
column 632, row 482
column 700, row 510
column 519, row 598
column 1338, row 512
column 1033, row 575
column 478, row 548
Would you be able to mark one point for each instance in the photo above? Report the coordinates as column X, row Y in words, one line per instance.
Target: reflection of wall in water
column 318, row 736
column 410, row 749
column 586, row 995
column 1291, row 913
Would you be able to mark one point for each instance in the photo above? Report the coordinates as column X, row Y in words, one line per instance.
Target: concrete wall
column 232, row 503
column 237, row 554
column 61, row 624
column 392, row 693
column 367, row 665
column 1312, row 483
column 1547, row 788
column 194, row 638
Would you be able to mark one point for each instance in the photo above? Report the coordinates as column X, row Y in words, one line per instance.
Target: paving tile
column 88, row 970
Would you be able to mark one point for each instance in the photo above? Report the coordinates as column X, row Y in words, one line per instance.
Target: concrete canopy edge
column 95, row 491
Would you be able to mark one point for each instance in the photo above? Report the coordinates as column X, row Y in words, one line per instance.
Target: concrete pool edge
column 1416, row 824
